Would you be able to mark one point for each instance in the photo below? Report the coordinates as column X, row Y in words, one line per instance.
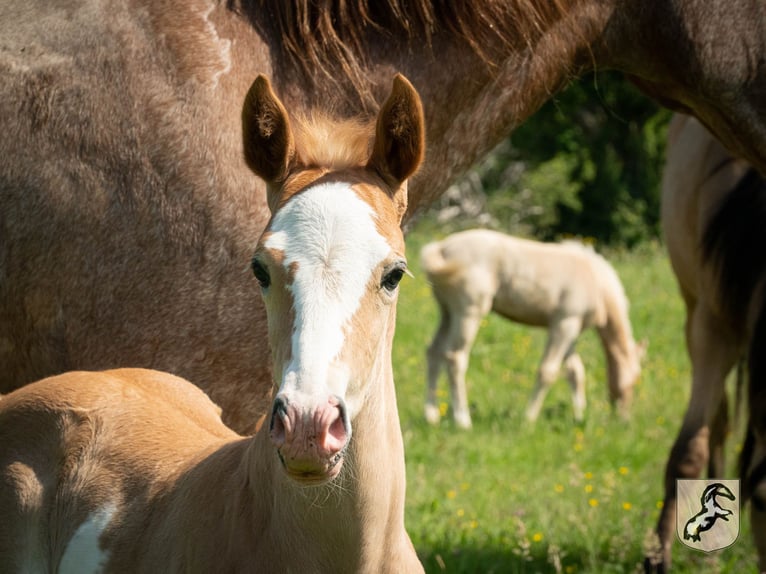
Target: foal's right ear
column 268, row 139
column 399, row 133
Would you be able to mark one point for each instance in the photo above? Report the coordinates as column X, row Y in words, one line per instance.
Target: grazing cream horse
column 714, row 222
column 565, row 287
column 127, row 213
column 133, row 470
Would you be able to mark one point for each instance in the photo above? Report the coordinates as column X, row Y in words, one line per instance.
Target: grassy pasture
column 507, row 497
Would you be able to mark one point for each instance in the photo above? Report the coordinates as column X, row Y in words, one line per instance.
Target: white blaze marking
column 82, row 554
column 329, row 233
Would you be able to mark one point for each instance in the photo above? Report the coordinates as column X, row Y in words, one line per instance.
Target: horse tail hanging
column 753, row 471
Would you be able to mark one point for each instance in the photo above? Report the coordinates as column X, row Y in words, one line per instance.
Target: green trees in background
column 587, row 164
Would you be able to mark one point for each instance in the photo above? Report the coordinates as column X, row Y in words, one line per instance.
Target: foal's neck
column 355, row 523
column 621, row 354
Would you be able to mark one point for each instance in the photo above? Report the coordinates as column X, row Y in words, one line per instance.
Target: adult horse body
column 565, row 287
column 713, row 219
column 127, row 213
column 133, row 470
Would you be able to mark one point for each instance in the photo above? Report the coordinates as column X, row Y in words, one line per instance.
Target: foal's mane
column 329, row 35
column 334, row 144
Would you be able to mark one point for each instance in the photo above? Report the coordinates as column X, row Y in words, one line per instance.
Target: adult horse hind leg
column 712, row 355
column 562, row 335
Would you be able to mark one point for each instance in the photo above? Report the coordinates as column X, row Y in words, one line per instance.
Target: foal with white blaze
column 565, row 287
column 133, row 471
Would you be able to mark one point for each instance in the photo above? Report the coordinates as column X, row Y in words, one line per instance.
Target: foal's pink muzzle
column 310, row 440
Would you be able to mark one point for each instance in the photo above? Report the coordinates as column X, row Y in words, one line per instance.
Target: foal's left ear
column 399, row 139
column 267, row 136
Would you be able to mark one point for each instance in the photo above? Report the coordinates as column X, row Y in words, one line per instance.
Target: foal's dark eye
column 391, row 278
column 261, row 274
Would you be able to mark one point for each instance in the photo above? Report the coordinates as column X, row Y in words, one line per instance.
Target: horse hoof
column 432, row 414
column 463, row 421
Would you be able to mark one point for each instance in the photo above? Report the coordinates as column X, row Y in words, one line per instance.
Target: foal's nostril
column 343, row 420
column 278, row 417
column 279, row 409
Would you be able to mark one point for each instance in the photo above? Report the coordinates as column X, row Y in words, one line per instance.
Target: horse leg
column 561, row 337
column 712, row 357
column 462, row 331
column 576, row 376
column 719, row 430
column 436, row 357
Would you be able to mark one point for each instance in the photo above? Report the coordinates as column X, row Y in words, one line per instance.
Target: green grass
column 508, row 497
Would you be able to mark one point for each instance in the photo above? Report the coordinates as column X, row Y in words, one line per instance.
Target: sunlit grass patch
column 509, row 497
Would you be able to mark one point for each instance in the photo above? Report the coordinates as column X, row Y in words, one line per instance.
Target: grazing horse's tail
column 732, row 243
column 433, row 262
column 752, row 471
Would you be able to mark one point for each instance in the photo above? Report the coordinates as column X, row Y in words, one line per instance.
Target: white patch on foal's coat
column 329, row 234
column 83, row 554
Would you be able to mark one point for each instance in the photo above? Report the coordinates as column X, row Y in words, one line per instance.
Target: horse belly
column 528, row 306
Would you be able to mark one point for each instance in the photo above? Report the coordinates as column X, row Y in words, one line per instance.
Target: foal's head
column 329, row 263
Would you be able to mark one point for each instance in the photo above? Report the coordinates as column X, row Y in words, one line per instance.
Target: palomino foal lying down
column 566, row 287
column 133, row 470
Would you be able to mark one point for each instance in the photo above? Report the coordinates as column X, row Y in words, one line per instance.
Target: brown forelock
column 328, row 36
column 322, row 141
column 322, row 146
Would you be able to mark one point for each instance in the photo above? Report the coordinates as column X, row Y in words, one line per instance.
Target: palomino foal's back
column 133, row 471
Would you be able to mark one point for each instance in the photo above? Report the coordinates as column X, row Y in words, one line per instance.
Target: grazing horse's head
column 329, row 263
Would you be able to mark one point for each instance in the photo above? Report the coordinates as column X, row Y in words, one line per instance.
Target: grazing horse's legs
column 436, row 357
column 576, row 376
column 562, row 335
column 712, row 357
column 463, row 326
